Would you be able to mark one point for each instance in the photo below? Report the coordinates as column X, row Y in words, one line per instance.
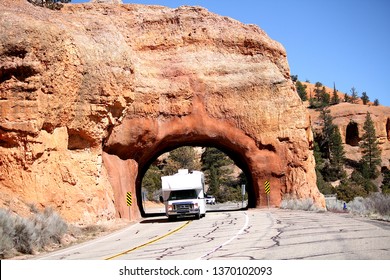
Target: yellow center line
column 148, row 243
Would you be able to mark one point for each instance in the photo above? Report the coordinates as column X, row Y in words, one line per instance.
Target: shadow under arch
column 237, row 157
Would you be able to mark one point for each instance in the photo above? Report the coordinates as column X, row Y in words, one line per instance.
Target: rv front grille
column 183, row 207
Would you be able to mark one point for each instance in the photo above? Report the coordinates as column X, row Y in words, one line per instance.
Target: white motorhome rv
column 183, row 194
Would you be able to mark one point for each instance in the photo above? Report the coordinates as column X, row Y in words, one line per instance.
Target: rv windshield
column 183, row 194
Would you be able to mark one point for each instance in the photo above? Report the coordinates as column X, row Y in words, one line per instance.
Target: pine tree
column 301, row 89
column 218, row 174
column 212, row 157
column 213, row 182
column 318, row 157
column 182, row 157
column 376, row 102
column 151, row 183
column 337, row 153
column 371, row 158
column 325, row 97
column 354, row 96
column 317, row 90
column 327, row 130
column 335, row 97
column 333, row 147
column 294, row 78
column 365, row 98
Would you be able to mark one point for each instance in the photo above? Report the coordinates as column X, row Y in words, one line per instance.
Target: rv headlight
column 170, row 207
column 196, row 205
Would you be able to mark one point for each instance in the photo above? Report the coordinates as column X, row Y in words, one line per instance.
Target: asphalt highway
column 271, row 234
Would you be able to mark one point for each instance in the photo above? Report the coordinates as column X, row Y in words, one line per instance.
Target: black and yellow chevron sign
column 267, row 187
column 129, row 199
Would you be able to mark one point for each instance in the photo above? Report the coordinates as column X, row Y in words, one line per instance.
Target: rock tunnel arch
column 136, row 143
column 388, row 129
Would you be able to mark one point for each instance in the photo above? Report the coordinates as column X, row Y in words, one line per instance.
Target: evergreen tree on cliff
column 335, row 97
column 354, row 96
column 301, row 89
column 337, row 153
column 333, row 147
column 51, row 4
column 365, row 98
column 371, row 158
column 327, row 129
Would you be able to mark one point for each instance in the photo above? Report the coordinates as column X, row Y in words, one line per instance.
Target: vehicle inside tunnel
column 223, row 171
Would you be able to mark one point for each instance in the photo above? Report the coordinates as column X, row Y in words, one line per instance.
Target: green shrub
column 348, row 190
column 325, row 188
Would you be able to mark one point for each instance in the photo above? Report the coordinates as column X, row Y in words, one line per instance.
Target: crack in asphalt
column 276, row 237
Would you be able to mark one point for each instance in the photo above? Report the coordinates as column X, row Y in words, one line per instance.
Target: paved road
column 241, row 235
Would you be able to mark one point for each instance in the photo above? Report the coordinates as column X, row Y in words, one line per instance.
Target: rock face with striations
column 90, row 95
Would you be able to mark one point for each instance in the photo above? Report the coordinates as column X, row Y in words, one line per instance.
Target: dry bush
column 25, row 235
column 377, row 205
column 7, row 232
column 292, row 203
column 50, row 226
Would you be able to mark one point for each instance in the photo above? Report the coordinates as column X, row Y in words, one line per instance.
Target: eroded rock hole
column 78, row 140
column 21, row 73
column 352, row 134
column 388, row 128
column 16, row 51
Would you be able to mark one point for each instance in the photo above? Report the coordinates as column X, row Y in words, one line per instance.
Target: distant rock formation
column 90, row 95
column 350, row 119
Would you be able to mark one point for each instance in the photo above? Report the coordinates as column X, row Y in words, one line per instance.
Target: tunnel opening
column 352, row 134
column 224, row 180
column 388, row 129
column 236, row 158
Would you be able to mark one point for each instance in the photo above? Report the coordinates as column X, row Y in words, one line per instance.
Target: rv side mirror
column 161, row 199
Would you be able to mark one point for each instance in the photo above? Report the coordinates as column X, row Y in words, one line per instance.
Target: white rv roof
column 183, row 180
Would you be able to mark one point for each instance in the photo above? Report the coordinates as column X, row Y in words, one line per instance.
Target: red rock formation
column 91, row 94
column 350, row 120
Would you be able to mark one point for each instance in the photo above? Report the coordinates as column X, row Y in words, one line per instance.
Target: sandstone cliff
column 90, row 94
column 350, row 120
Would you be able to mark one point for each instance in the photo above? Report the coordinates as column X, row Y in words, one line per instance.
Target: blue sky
column 346, row 42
